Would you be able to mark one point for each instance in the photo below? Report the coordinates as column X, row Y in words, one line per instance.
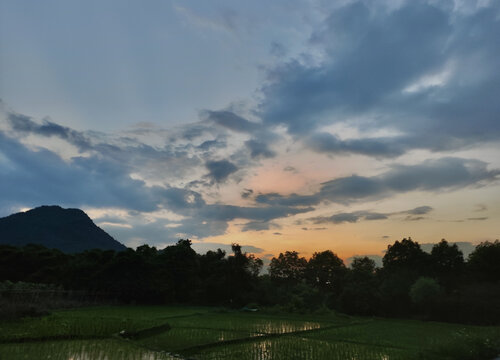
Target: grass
column 209, row 333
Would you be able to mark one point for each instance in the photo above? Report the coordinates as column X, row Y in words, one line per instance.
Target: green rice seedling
column 243, row 322
column 179, row 339
column 57, row 326
column 79, row 350
column 295, row 348
column 408, row 334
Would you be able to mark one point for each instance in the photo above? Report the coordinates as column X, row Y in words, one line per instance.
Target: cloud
column 377, row 147
column 219, row 171
column 421, row 69
column 246, row 193
column 431, row 175
column 230, row 120
column 24, row 124
column 356, row 216
column 259, row 226
column 31, row 178
column 352, row 217
column 419, row 210
column 263, row 214
column 259, row 149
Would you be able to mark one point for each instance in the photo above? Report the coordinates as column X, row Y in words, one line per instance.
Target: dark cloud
column 478, row 218
column 230, row 120
column 431, row 175
column 246, row 193
column 356, row 216
column 219, row 171
column 259, row 149
column 277, row 233
column 378, row 147
column 231, row 212
column 422, row 69
column 290, row 169
column 420, row 210
column 209, row 144
column 349, row 217
column 192, row 132
column 181, row 200
column 414, row 218
column 258, row 226
column 24, row 124
column 366, row 62
column 416, row 213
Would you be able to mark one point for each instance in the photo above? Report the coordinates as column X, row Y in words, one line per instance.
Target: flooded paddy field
column 157, row 333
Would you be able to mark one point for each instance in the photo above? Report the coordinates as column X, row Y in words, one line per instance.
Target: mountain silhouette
column 69, row 230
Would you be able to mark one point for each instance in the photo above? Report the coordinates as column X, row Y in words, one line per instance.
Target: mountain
column 69, row 230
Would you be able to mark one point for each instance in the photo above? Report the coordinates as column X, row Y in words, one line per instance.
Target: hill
column 69, row 230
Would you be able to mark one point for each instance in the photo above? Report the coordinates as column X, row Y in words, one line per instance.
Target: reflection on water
column 79, row 350
column 245, row 323
column 293, row 347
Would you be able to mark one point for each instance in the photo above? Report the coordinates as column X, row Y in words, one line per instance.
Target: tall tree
column 288, row 267
column 484, row 261
column 447, row 262
column 326, row 271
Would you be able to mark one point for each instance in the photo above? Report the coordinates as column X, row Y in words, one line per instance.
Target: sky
column 299, row 125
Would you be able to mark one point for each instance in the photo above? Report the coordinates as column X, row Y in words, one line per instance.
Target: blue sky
column 302, row 125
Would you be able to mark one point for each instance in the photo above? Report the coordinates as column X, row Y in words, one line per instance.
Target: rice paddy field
column 157, row 333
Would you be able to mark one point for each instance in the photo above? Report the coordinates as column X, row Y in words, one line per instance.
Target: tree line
column 440, row 285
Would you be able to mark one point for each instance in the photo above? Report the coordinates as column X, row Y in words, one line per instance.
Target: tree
column 326, row 271
column 363, row 268
column 180, row 269
column 360, row 294
column 424, row 293
column 424, row 290
column 288, row 267
column 403, row 262
column 484, row 261
column 406, row 255
column 447, row 263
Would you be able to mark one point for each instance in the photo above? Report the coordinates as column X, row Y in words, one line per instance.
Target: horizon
column 309, row 126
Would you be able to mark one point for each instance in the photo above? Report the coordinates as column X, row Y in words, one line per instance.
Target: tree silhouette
column 484, row 261
column 447, row 263
column 288, row 267
column 326, row 271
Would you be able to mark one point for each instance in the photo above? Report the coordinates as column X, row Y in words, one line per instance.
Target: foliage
column 484, row 261
column 424, row 291
column 411, row 283
column 288, row 267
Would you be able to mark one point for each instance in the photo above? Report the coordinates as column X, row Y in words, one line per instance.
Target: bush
column 424, row 291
